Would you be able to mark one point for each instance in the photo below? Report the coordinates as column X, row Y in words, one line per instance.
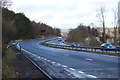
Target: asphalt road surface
column 60, row 63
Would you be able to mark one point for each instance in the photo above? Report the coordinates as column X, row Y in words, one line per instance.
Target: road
column 60, row 63
column 57, row 42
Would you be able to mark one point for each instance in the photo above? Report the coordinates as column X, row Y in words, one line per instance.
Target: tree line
column 18, row 26
column 44, row 29
column 115, row 24
column 81, row 33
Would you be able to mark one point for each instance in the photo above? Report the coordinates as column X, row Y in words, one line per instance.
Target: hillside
column 18, row 26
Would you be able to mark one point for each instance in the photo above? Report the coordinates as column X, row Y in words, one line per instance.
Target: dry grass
column 7, row 66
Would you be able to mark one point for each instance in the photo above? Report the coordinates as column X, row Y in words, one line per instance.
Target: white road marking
column 29, row 52
column 64, row 66
column 109, row 56
column 81, row 72
column 53, row 62
column 58, row 64
column 91, row 76
column 72, row 69
column 48, row 60
column 89, row 59
column 45, row 59
column 33, row 54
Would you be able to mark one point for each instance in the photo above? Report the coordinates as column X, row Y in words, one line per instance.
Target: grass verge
column 7, row 64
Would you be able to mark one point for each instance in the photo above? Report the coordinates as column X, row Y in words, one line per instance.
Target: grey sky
column 65, row 13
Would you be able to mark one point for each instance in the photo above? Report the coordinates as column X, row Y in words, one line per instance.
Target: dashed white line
column 58, row 64
column 64, row 66
column 72, row 69
column 45, row 59
column 89, row 59
column 91, row 76
column 53, row 62
column 81, row 72
column 48, row 60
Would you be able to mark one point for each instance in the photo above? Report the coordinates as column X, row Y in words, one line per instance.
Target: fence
column 116, row 50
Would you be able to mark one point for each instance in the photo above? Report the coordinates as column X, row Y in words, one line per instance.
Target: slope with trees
column 41, row 29
column 18, row 26
column 15, row 26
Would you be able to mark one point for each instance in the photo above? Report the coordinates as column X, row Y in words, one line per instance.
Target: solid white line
column 109, row 56
column 34, row 55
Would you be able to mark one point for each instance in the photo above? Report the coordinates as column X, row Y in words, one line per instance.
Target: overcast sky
column 65, row 14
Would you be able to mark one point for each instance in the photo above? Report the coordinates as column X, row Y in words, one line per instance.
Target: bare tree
column 5, row 3
column 115, row 24
column 119, row 22
column 101, row 17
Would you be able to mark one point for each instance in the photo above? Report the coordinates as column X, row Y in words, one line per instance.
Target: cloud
column 63, row 13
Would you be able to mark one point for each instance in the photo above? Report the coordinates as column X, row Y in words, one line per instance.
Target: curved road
column 62, row 63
